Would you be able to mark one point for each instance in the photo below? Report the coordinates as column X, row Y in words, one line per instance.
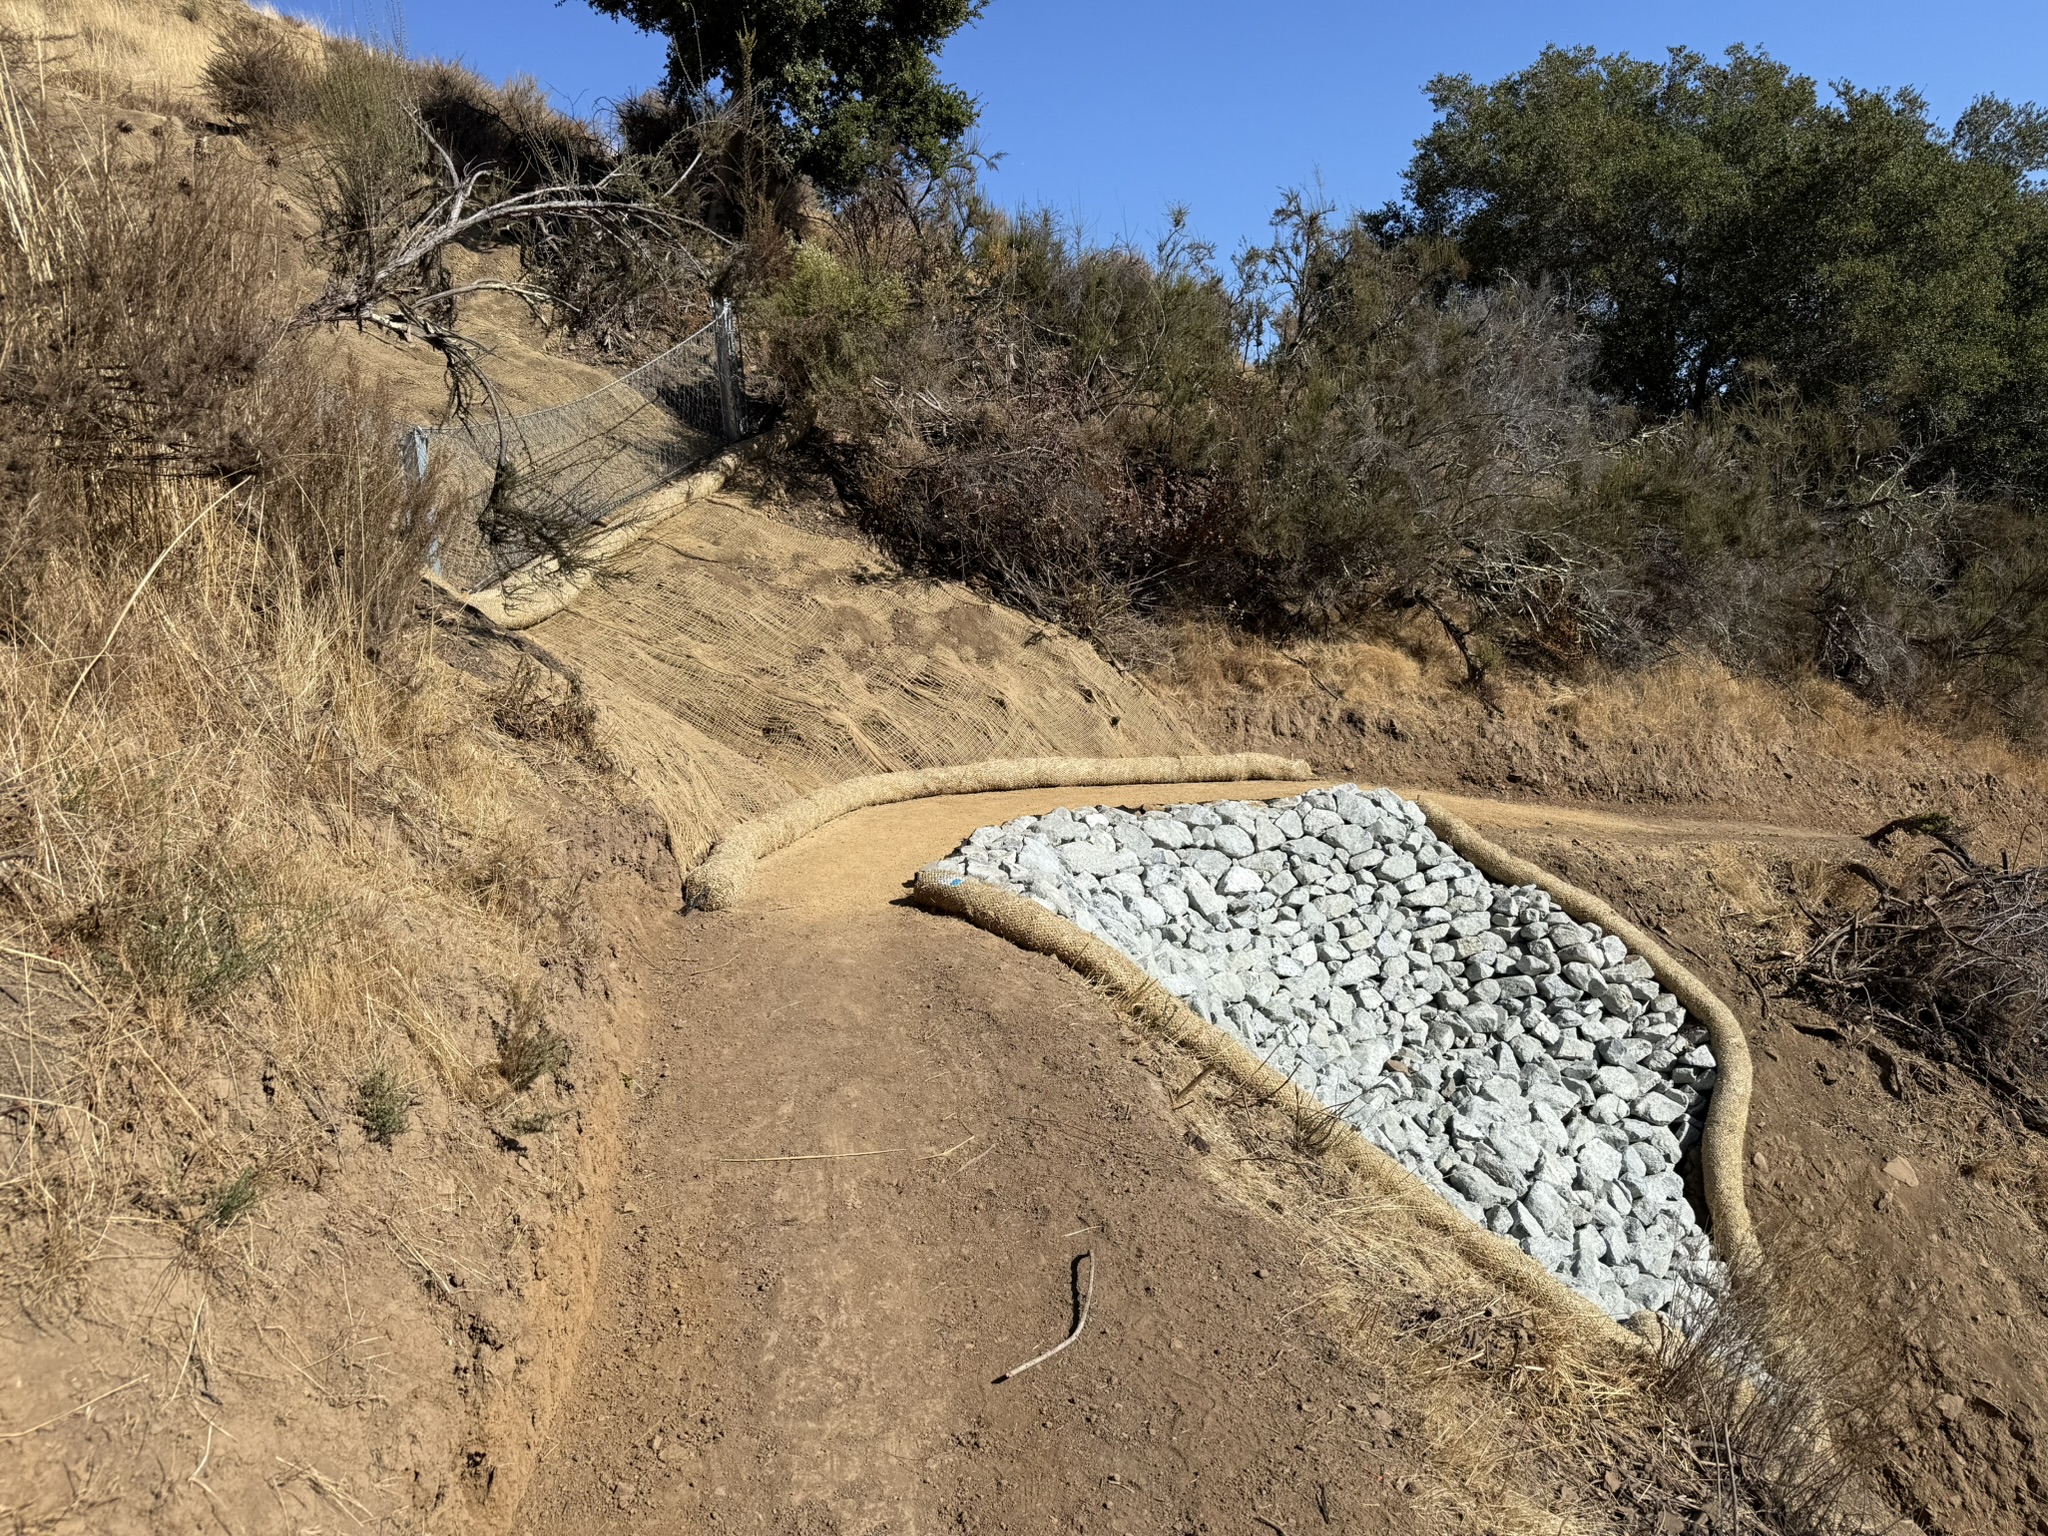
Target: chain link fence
column 529, row 485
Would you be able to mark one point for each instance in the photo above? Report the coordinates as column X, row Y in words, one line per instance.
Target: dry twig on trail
column 22, row 1434
column 826, row 1157
column 1080, row 1322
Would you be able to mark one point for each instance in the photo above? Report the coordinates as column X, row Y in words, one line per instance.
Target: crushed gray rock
column 1525, row 1066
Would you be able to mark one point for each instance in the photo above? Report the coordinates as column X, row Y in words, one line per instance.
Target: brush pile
column 1951, row 961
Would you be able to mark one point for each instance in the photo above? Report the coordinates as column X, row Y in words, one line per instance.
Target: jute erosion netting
column 738, row 660
column 541, row 588
column 722, row 878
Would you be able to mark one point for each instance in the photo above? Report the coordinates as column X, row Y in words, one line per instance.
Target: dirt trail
column 1563, row 820
column 810, row 1346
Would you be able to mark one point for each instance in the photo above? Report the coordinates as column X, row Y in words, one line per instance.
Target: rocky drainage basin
column 1525, row 1066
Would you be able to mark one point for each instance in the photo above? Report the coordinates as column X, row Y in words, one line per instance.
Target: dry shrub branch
column 1950, row 960
column 405, row 159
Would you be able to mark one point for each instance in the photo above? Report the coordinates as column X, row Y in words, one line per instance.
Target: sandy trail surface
column 811, row 1345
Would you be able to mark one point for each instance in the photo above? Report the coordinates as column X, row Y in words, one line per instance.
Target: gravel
column 1525, row 1066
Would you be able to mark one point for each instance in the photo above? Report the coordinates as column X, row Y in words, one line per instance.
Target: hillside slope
column 740, row 660
column 557, row 1306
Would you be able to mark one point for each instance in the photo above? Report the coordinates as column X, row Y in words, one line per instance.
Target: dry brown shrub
column 1950, row 959
column 235, row 783
column 1778, row 1394
column 546, row 706
column 262, row 76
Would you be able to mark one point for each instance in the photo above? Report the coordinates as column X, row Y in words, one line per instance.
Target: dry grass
column 248, row 847
column 1781, row 1392
column 143, row 53
column 250, row 826
column 1686, row 732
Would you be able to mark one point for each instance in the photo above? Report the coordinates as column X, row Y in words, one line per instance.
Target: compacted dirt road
column 811, row 1345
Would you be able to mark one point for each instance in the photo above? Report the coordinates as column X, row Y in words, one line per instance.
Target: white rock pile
column 1525, row 1066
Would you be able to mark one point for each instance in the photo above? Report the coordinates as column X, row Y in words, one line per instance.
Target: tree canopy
column 1726, row 224
column 850, row 85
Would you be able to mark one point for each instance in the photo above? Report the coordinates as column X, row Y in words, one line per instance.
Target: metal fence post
column 728, row 393
column 414, row 454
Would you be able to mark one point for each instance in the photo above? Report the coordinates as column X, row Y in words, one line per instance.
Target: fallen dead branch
column 1080, row 1321
column 389, row 273
column 1951, row 961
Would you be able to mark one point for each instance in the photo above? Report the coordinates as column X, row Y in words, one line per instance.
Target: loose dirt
column 811, row 1345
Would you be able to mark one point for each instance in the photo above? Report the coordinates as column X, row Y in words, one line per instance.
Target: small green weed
column 384, row 1105
column 528, row 1048
column 232, row 1200
column 194, row 930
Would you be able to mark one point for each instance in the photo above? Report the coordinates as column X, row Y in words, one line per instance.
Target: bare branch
column 396, row 269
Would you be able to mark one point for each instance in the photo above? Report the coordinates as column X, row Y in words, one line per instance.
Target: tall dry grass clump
column 1778, row 1398
column 234, row 781
column 148, row 54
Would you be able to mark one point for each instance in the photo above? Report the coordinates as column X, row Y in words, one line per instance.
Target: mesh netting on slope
column 574, row 465
column 741, row 661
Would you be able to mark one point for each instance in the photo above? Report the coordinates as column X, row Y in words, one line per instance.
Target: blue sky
column 1110, row 110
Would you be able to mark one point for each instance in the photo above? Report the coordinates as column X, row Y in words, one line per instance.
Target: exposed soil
column 811, row 1345
column 1897, row 1192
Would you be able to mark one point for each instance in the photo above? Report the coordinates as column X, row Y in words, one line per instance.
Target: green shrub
column 233, row 1200
column 1354, row 428
column 383, row 1106
column 194, row 931
column 829, row 324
